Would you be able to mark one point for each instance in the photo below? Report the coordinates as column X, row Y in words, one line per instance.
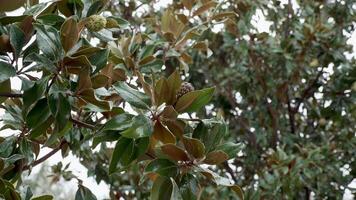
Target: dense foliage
column 159, row 105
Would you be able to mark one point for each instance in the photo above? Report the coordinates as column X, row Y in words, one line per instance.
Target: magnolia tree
column 159, row 104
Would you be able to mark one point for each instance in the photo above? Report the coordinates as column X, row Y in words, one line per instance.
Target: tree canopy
column 188, row 101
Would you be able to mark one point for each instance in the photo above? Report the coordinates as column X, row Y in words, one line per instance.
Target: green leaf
column 122, row 154
column 141, row 127
column 189, row 187
column 119, row 122
column 230, row 148
column 60, row 109
column 105, row 136
column 84, row 193
column 34, row 93
column 28, row 194
column 17, row 39
column 38, row 114
column 43, row 197
column 89, row 96
column 99, row 59
column 132, row 96
column 55, row 136
column 210, row 132
column 48, row 40
column 165, row 189
column 26, row 150
column 95, row 7
column 162, row 167
column 6, row 71
column 7, row 146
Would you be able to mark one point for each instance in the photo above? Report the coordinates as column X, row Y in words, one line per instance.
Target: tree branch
column 12, row 95
column 308, row 91
column 291, row 115
column 45, row 157
column 230, row 171
column 82, row 124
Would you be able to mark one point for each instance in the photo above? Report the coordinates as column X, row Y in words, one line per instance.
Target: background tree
column 108, row 82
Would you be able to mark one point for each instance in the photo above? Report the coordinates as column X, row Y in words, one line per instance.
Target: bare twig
column 45, row 157
column 82, row 124
column 12, row 95
column 230, row 171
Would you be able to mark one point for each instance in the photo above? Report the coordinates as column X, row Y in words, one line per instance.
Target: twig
column 308, row 91
column 230, row 171
column 191, row 119
column 13, row 95
column 291, row 115
column 82, row 124
column 45, row 157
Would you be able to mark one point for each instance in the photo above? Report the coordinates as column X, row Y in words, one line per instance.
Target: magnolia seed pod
column 184, row 89
column 95, row 23
column 111, row 23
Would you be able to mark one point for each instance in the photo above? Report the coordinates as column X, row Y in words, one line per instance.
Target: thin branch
column 308, row 91
column 230, row 171
column 191, row 119
column 45, row 157
column 291, row 115
column 82, row 124
column 12, row 95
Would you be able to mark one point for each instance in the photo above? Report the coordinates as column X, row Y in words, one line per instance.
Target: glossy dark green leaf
column 119, row 122
column 162, row 167
column 34, row 93
column 122, row 154
column 95, row 7
column 141, row 127
column 210, row 132
column 17, row 39
column 7, row 146
column 43, row 197
column 26, row 150
column 28, row 194
column 133, row 96
column 83, row 193
column 189, row 187
column 99, row 59
column 38, row 114
column 165, row 189
column 6, row 71
column 105, row 136
column 60, row 109
column 48, row 40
